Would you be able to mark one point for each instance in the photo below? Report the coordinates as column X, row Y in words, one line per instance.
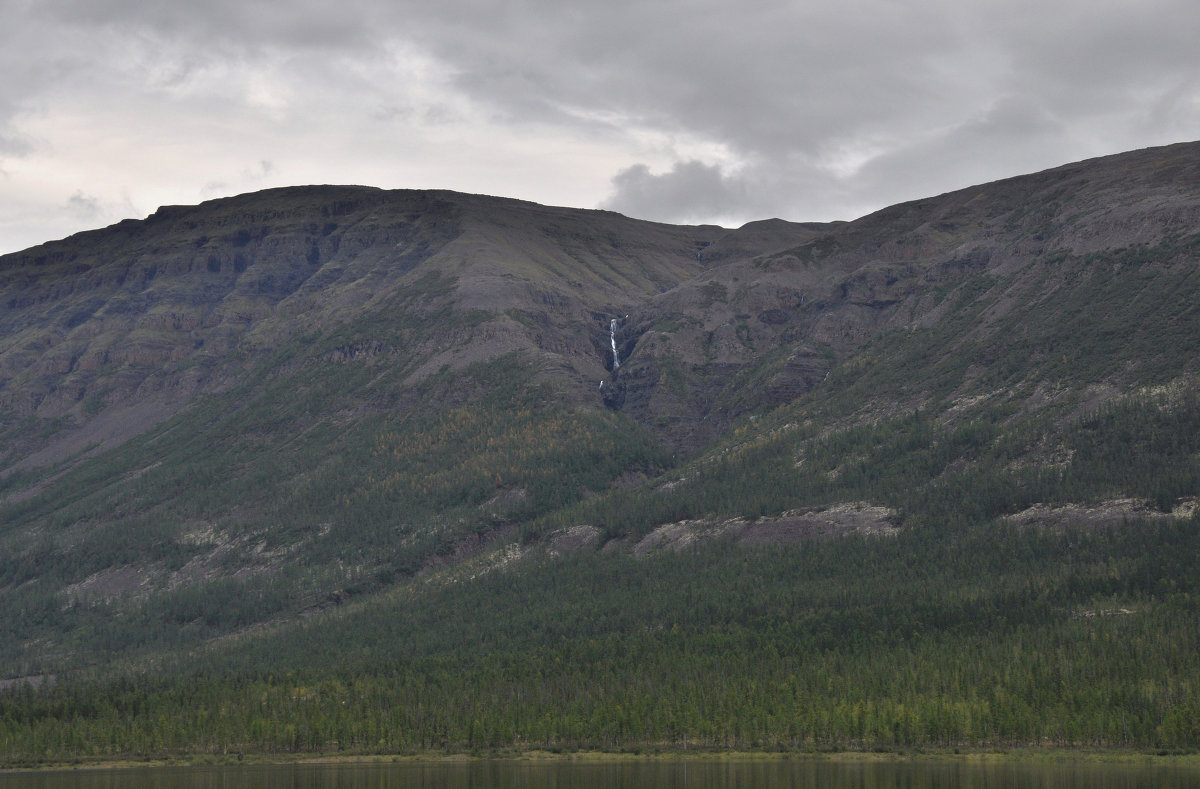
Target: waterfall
column 612, row 339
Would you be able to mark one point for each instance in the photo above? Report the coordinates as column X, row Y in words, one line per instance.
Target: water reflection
column 791, row 774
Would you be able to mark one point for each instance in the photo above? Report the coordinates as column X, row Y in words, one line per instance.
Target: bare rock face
column 839, row 520
column 1107, row 514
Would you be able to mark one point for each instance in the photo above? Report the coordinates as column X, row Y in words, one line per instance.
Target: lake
column 648, row 774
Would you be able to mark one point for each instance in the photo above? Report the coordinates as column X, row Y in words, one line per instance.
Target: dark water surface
column 674, row 774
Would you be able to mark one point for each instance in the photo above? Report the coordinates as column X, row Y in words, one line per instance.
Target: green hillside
column 926, row 479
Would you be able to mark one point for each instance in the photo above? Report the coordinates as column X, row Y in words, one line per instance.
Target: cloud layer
column 691, row 111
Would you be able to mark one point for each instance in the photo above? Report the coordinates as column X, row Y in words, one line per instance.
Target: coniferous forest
column 981, row 639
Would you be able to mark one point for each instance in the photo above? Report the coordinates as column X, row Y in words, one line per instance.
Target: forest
column 997, row 637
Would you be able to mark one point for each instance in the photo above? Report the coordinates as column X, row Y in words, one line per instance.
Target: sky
column 685, row 111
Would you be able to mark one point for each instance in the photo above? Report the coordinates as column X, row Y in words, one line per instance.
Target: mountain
column 309, row 427
column 144, row 316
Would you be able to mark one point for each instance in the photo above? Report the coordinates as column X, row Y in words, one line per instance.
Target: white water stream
column 612, row 339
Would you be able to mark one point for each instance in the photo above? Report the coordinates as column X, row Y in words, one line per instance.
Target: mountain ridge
column 277, row 406
column 156, row 312
column 247, row 297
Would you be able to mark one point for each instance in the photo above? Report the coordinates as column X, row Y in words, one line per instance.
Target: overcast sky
column 675, row 110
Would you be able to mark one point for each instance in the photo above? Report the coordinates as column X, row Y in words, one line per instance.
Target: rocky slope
column 108, row 332
column 113, row 330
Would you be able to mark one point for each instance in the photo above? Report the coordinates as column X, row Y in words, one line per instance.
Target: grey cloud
column 250, row 22
column 765, row 77
column 820, row 110
column 83, row 207
column 945, row 92
column 1176, row 110
column 247, row 179
column 1015, row 134
column 214, row 189
column 690, row 191
column 30, row 62
column 13, row 144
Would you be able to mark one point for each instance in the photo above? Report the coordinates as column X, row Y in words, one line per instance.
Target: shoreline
column 1016, row 755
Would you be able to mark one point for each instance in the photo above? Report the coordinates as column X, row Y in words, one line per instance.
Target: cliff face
column 321, row 388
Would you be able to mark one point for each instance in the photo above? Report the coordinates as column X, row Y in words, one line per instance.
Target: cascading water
column 612, row 339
